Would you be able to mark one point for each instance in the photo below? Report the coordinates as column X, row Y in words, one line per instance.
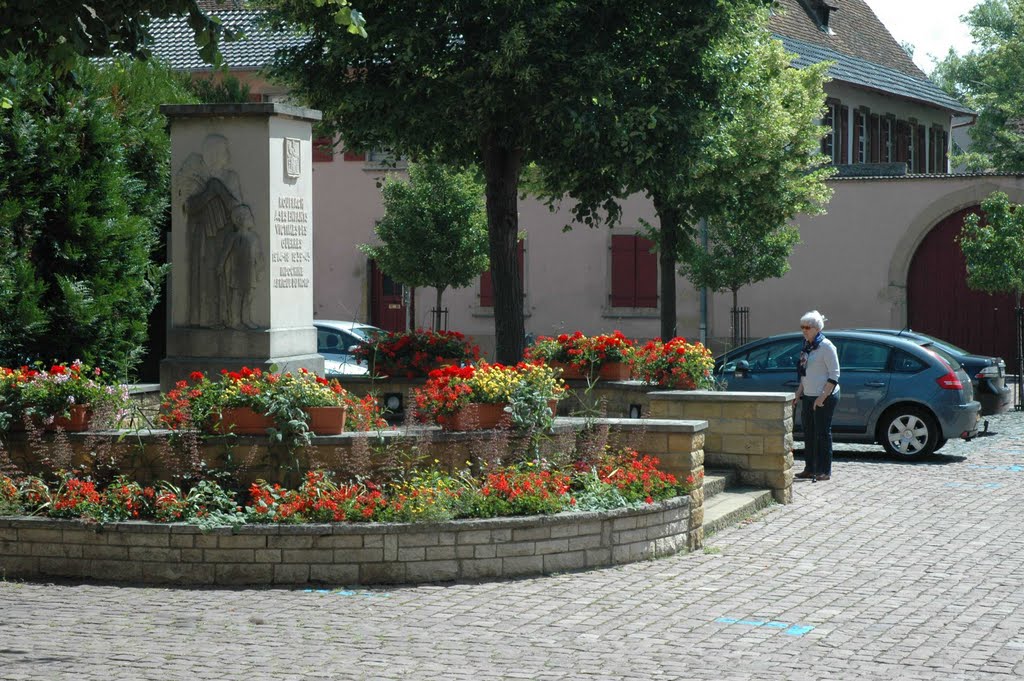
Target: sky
column 931, row 26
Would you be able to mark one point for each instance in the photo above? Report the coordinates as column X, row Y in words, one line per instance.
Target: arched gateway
column 940, row 303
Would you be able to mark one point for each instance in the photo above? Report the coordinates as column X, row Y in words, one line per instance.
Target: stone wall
column 341, row 554
column 749, row 432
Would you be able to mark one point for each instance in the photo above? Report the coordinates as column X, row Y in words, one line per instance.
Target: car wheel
column 940, row 444
column 909, row 431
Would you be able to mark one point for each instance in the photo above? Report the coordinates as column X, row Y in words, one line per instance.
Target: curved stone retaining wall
column 341, row 554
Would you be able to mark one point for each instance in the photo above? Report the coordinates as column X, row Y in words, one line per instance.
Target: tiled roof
column 872, row 75
column 173, row 42
column 919, row 176
column 856, row 32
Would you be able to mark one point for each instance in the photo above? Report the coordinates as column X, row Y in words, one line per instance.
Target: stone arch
column 927, row 219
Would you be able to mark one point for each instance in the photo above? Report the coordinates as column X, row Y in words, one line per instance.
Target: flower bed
column 620, row 479
column 415, row 353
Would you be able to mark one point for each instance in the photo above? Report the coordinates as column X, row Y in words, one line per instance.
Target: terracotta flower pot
column 327, row 420
column 569, row 371
column 242, row 421
column 78, row 420
column 614, row 371
column 477, row 416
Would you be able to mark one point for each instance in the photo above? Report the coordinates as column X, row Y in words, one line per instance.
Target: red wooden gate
column 939, row 302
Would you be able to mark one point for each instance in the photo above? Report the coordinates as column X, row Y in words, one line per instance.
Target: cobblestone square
column 891, row 570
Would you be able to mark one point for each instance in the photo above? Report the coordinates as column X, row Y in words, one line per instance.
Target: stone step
column 729, row 507
column 717, row 480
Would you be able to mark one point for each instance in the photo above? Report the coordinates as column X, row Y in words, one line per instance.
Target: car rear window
column 950, row 359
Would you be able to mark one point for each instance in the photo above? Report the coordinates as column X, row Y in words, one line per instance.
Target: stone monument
column 240, row 289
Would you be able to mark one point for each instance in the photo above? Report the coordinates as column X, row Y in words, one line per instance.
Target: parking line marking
column 788, row 629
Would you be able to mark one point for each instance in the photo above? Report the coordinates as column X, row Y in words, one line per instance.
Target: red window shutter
column 323, row 150
column 902, row 142
column 255, row 97
column 844, row 135
column 646, row 273
column 353, row 156
column 623, row 271
column 876, row 138
column 634, row 272
column 922, row 158
column 487, row 282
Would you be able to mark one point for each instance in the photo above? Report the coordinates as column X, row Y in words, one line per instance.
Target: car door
column 770, row 367
column 863, row 382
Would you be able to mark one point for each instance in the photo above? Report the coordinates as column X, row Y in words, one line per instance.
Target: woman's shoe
column 824, row 477
column 805, row 475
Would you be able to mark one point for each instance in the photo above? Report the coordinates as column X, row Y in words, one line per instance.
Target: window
column 911, row 147
column 937, row 140
column 776, row 356
column 905, row 363
column 830, row 142
column 634, row 272
column 487, row 285
column 323, row 150
column 844, row 134
column 876, row 138
column 922, row 151
column 861, row 137
column 857, row 355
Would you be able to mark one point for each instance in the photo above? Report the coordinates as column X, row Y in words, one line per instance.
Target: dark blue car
column 908, row 395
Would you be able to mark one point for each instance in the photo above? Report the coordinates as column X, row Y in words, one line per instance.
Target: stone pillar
column 240, row 290
column 750, row 432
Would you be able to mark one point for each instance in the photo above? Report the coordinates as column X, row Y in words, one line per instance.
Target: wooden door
column 387, row 306
column 939, row 302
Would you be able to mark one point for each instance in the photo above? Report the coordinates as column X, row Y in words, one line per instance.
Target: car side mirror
column 741, row 369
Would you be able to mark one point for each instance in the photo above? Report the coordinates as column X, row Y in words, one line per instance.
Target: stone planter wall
column 749, row 432
column 341, row 554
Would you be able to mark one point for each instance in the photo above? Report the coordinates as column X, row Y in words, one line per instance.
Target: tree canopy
column 434, row 229
column 500, row 85
column 990, row 80
column 736, row 142
column 993, row 247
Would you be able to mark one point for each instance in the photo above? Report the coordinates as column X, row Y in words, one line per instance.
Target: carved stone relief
column 225, row 257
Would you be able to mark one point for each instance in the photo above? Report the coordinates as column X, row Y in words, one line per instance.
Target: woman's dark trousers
column 818, row 433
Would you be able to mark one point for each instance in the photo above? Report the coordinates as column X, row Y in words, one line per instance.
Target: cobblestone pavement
column 892, row 570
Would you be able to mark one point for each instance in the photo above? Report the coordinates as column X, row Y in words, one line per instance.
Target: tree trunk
column 437, row 313
column 501, row 173
column 668, row 250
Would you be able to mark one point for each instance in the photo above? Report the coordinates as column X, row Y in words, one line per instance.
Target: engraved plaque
column 292, row 162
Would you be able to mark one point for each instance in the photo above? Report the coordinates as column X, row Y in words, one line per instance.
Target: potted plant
column 415, row 353
column 255, row 402
column 603, row 356
column 478, row 397
column 676, row 364
column 64, row 396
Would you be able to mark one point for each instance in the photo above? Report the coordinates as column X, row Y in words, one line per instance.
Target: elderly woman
column 817, row 396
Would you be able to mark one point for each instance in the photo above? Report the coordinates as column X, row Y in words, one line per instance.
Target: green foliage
column 500, row 85
column 990, row 80
column 219, row 90
column 59, row 31
column 736, row 257
column 83, row 194
column 434, row 230
column 732, row 136
column 994, row 250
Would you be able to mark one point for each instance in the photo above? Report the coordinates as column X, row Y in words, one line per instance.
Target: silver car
column 336, row 341
column 907, row 395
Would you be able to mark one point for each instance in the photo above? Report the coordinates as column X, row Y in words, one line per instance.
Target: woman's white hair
column 815, row 319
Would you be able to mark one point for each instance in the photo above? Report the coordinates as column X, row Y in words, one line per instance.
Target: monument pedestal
column 240, row 289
